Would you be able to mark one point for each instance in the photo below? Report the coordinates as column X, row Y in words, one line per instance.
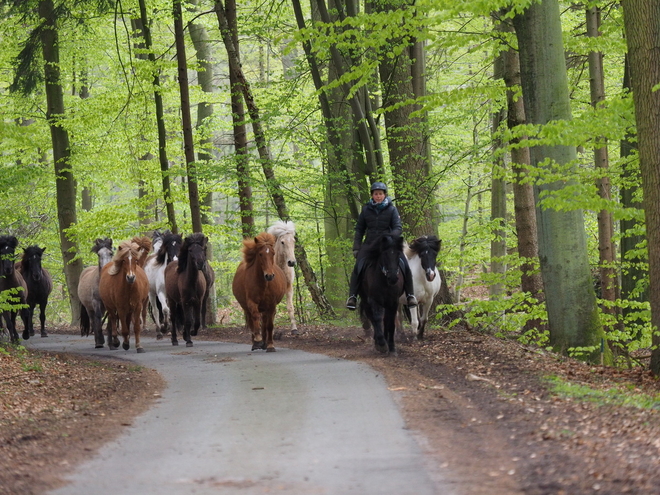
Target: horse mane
column 125, row 248
column 143, row 242
column 99, row 244
column 381, row 243
column 9, row 240
column 421, row 244
column 196, row 238
column 166, row 238
column 251, row 246
column 282, row 227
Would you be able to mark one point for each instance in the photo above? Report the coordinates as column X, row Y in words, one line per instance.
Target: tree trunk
column 606, row 250
column 65, row 186
column 570, row 298
column 272, row 183
column 186, row 120
column 162, row 136
column 642, row 26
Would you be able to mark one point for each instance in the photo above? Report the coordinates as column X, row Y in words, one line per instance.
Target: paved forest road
column 241, row 422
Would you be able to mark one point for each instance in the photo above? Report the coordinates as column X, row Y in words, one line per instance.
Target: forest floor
column 491, row 410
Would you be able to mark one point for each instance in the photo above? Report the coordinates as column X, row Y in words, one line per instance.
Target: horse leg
column 254, row 323
column 290, row 308
column 29, row 323
column 155, row 315
column 125, row 331
column 13, row 334
column 377, row 315
column 164, row 310
column 189, row 318
column 42, row 319
column 390, row 327
column 26, row 316
column 425, row 309
column 137, row 329
column 176, row 318
column 414, row 320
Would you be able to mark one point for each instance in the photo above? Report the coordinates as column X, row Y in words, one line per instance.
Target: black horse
column 39, row 285
column 12, row 281
column 381, row 284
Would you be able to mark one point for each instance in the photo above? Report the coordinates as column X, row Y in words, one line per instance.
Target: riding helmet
column 379, row 185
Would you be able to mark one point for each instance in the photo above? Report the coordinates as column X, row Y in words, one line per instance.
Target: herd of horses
column 172, row 277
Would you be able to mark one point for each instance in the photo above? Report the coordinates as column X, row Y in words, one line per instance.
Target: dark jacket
column 374, row 223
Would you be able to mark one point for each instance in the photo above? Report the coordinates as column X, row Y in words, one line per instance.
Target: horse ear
column 13, row 242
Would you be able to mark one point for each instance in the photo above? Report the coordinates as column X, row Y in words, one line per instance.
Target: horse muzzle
column 430, row 275
column 130, row 278
column 269, row 276
column 291, row 263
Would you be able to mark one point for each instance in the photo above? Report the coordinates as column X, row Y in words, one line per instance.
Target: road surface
column 232, row 421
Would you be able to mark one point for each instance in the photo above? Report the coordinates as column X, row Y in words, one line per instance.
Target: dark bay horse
column 381, row 285
column 422, row 254
column 124, row 289
column 39, row 285
column 92, row 309
column 185, row 286
column 167, row 250
column 12, row 281
column 259, row 285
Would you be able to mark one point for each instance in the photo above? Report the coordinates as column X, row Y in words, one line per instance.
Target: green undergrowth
column 625, row 396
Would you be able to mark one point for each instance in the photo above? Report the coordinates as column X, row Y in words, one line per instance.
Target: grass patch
column 615, row 396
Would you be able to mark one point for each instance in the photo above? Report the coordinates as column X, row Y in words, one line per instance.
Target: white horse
column 285, row 257
column 422, row 256
column 168, row 250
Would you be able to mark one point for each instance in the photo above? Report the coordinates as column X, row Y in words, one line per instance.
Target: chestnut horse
column 39, row 285
column 259, row 285
column 285, row 257
column 124, row 289
column 11, row 280
column 185, row 286
column 92, row 309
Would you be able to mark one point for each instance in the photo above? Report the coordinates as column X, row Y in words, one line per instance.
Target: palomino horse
column 380, row 288
column 169, row 245
column 144, row 248
column 285, row 257
column 185, row 286
column 91, row 305
column 422, row 257
column 39, row 284
column 11, row 280
column 124, row 289
column 259, row 285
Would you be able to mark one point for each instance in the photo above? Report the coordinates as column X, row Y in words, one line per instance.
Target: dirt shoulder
column 479, row 406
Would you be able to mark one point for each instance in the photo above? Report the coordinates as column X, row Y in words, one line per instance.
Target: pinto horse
column 11, row 280
column 381, row 286
column 124, row 289
column 259, row 285
column 422, row 254
column 92, row 309
column 169, row 245
column 285, row 257
column 185, row 286
column 39, row 285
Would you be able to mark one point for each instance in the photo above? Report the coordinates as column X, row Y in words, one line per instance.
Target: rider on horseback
column 378, row 216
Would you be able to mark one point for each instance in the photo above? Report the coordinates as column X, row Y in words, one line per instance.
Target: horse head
column 261, row 250
column 125, row 260
column 8, row 244
column 285, row 244
column 427, row 248
column 103, row 249
column 170, row 245
column 31, row 262
column 193, row 250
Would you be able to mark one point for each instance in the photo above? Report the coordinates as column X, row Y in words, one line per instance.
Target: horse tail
column 406, row 312
column 85, row 324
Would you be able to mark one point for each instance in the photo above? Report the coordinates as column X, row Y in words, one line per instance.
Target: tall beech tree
column 570, row 298
column 642, row 25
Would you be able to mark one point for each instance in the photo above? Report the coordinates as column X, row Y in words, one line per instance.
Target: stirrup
column 351, row 303
column 411, row 300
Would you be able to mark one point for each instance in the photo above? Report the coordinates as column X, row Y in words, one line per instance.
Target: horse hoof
column 382, row 347
column 126, row 346
column 26, row 335
column 100, row 346
column 175, row 342
column 193, row 333
column 257, row 346
column 140, row 350
column 113, row 347
column 189, row 344
column 270, row 349
column 44, row 334
column 31, row 333
column 159, row 336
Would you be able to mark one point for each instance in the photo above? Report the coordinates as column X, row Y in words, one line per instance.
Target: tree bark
column 65, row 186
column 160, row 114
column 570, row 298
column 642, row 27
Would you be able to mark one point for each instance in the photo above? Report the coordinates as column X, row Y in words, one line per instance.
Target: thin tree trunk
column 162, row 136
column 570, row 298
column 642, row 25
column 65, row 186
column 186, row 120
column 498, row 211
column 606, row 248
column 272, row 183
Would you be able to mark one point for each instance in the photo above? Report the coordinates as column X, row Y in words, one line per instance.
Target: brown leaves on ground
column 56, row 409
